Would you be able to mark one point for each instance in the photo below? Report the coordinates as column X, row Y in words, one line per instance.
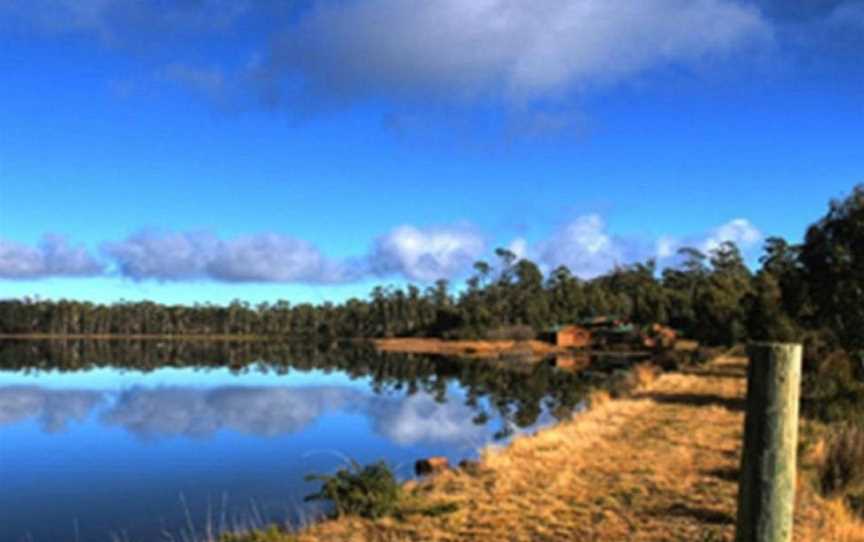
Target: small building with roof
column 569, row 336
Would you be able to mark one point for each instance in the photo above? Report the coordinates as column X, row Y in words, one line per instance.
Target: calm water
column 131, row 449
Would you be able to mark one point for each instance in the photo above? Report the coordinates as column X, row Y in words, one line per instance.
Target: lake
column 146, row 440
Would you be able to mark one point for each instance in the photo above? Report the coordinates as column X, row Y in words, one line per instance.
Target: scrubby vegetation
column 370, row 492
column 842, row 471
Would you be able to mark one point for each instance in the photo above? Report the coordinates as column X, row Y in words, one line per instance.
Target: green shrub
column 371, row 491
column 833, row 391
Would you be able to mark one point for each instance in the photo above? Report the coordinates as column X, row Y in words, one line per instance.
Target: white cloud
column 585, row 245
column 519, row 247
column 426, row 254
column 740, row 231
column 274, row 258
column 265, row 257
column 500, row 48
column 666, row 247
column 53, row 257
column 587, row 248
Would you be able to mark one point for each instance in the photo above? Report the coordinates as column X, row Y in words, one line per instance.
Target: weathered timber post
column 766, row 494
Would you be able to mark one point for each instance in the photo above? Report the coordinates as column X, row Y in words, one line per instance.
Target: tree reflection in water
column 517, row 391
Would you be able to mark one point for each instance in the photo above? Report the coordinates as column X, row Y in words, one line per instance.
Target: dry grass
column 842, row 464
column 661, row 465
column 644, row 374
column 471, row 349
column 598, row 398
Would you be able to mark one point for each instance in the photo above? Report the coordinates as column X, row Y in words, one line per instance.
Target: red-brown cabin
column 571, row 336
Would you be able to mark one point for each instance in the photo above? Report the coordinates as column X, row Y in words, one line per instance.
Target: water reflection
column 515, row 391
column 421, row 419
column 53, row 409
column 108, row 434
column 198, row 413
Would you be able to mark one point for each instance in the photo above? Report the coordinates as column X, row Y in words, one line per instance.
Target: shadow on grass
column 729, row 475
column 696, row 400
column 702, row 515
column 732, row 374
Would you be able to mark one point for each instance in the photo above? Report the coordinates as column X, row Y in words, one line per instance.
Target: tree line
column 812, row 288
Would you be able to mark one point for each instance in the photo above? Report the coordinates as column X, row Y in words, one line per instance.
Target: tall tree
column 833, row 260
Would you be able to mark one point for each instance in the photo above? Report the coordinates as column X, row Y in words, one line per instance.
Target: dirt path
column 661, row 466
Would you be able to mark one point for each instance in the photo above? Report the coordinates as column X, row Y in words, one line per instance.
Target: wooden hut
column 571, row 336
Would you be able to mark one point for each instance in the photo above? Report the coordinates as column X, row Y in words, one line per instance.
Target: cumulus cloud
column 426, row 254
column 499, row 48
column 163, row 256
column 585, row 245
column 588, row 249
column 414, row 52
column 53, row 257
column 335, row 52
column 265, row 257
column 740, row 231
column 274, row 258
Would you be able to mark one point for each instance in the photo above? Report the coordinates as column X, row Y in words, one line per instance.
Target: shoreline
column 659, row 464
column 478, row 349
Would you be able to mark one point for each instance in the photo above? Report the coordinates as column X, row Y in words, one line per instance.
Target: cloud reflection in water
column 164, row 412
column 53, row 409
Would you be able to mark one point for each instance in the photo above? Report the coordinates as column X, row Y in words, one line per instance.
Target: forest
column 810, row 291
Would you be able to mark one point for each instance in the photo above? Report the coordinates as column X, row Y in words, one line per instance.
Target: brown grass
column 661, row 465
column 644, row 374
column 842, row 462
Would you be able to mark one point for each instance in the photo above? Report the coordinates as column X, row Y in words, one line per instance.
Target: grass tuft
column 842, row 470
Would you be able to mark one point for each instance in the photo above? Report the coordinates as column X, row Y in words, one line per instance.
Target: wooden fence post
column 766, row 494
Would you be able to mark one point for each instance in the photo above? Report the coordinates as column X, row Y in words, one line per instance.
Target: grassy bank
column 484, row 349
column 659, row 465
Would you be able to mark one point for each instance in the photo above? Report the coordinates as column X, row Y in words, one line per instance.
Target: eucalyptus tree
column 833, row 268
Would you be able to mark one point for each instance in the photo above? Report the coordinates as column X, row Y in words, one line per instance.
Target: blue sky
column 205, row 150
